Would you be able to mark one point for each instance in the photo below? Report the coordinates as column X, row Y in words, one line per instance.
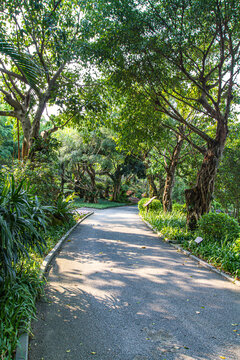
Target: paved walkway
column 117, row 292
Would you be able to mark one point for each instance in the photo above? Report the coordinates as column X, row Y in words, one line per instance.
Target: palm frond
column 29, row 68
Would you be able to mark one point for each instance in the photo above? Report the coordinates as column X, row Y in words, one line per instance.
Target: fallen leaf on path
column 101, row 253
column 234, row 324
column 93, row 352
column 68, row 350
column 69, row 240
column 222, row 357
column 143, row 247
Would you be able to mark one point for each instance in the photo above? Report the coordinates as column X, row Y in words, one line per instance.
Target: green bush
column 219, row 227
column 141, row 203
column 21, row 220
column 179, row 207
column 62, row 210
column 155, row 205
column 43, row 177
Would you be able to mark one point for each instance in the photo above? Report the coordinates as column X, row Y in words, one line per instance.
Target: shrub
column 62, row 210
column 17, row 307
column 43, row 176
column 179, row 207
column 155, row 205
column 221, row 226
column 141, row 203
column 21, row 220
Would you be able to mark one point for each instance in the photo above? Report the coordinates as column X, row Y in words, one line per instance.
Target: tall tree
column 146, row 133
column 48, row 34
column 184, row 53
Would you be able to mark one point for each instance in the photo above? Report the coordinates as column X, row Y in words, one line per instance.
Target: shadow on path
column 117, row 292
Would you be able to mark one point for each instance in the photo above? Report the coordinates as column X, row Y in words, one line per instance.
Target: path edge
column 193, row 257
column 22, row 347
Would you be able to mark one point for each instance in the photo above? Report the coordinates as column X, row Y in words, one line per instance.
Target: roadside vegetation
column 101, row 204
column 220, row 233
column 28, row 232
column 87, row 116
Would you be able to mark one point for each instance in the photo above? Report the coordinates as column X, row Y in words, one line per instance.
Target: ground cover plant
column 27, row 235
column 102, row 204
column 220, row 232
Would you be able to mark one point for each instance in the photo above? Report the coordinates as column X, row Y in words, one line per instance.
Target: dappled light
column 139, row 297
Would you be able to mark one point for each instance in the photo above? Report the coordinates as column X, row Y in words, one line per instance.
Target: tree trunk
column 26, row 127
column 171, row 170
column 167, row 193
column 161, row 186
column 198, row 199
column 106, row 192
column 152, row 187
column 92, row 174
column 117, row 187
column 62, row 177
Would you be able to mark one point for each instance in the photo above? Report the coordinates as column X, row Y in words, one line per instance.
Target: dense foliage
column 28, row 232
column 115, row 101
column 22, row 218
column 217, row 227
column 220, row 232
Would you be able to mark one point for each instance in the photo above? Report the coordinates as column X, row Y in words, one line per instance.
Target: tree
column 8, row 147
column 182, row 53
column 146, row 133
column 79, row 156
column 227, row 191
column 48, row 34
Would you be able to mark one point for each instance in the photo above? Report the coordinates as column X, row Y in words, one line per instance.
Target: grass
column 17, row 299
column 102, row 204
column 222, row 254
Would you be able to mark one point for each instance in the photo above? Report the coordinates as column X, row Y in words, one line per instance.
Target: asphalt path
column 117, row 292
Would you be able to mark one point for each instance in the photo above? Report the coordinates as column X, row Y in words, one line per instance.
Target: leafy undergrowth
column 17, row 299
column 223, row 253
column 102, row 204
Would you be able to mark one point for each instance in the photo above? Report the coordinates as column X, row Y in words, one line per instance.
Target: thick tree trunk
column 167, row 193
column 171, row 170
column 198, row 199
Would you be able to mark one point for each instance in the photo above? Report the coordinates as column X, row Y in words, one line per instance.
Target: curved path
column 117, row 292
